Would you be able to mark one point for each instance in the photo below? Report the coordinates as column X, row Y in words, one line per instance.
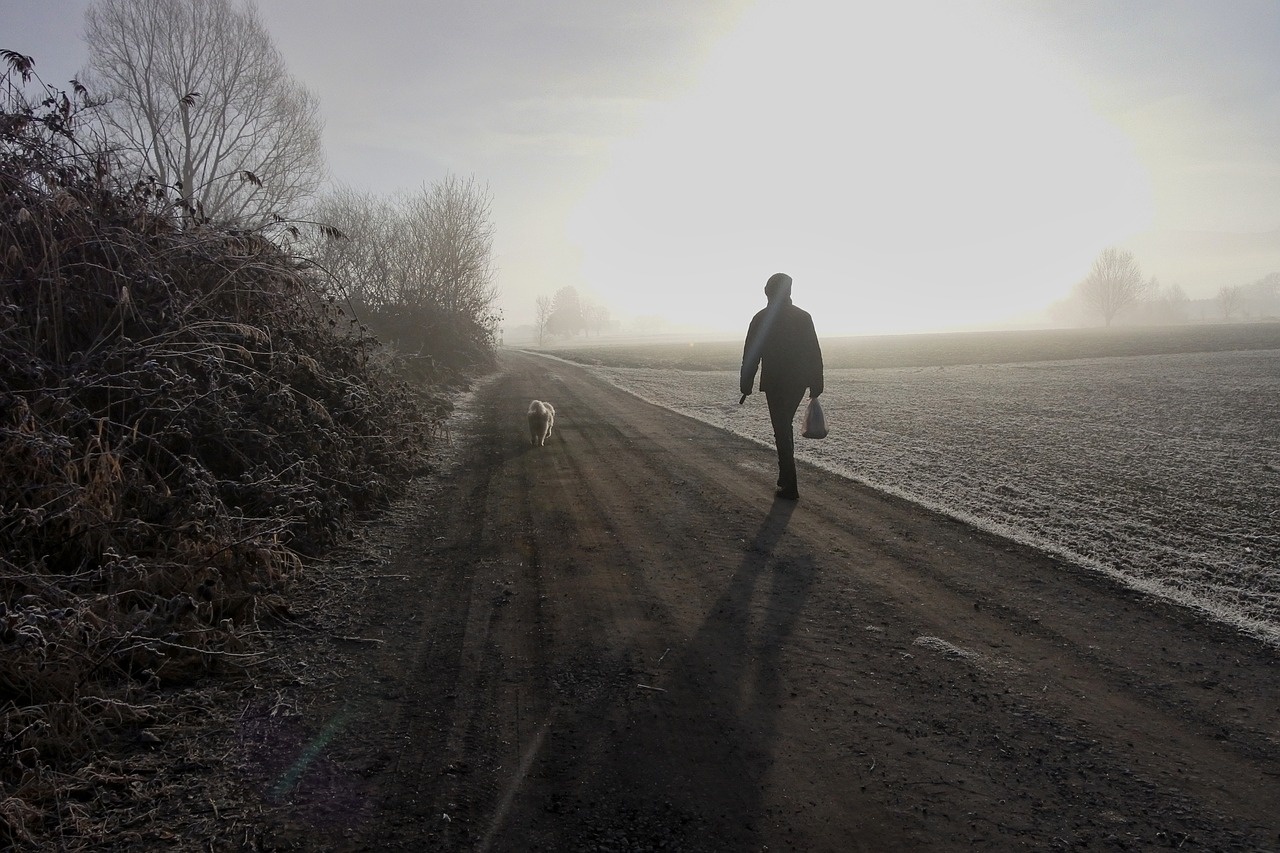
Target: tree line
column 1116, row 287
column 192, row 404
column 418, row 268
column 567, row 314
column 195, row 97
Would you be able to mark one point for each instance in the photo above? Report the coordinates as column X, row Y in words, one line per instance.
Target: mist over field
column 1151, row 457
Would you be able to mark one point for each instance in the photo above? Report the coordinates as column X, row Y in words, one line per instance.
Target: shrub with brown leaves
column 184, row 414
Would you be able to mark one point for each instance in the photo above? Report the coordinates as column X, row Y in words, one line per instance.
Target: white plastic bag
column 814, row 424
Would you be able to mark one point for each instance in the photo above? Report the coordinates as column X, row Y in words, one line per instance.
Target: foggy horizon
column 915, row 167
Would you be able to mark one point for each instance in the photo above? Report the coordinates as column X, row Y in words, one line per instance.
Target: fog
column 914, row 166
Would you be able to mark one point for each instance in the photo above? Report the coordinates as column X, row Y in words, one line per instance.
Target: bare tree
column 542, row 318
column 566, row 312
column 1230, row 297
column 1162, row 305
column 450, row 257
column 1269, row 285
column 419, row 267
column 200, row 93
column 1259, row 298
column 1114, row 283
column 595, row 317
column 1175, row 302
column 350, row 243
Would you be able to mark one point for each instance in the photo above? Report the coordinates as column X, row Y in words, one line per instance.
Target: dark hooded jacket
column 782, row 344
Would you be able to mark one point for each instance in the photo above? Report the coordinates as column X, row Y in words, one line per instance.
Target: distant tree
column 1114, row 283
column 200, row 97
column 1163, row 305
column 595, row 317
column 1262, row 297
column 1229, row 299
column 542, row 318
column 566, row 313
column 1176, row 303
column 1270, row 285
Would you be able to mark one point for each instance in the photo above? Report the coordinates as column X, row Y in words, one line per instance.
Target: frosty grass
column 1160, row 471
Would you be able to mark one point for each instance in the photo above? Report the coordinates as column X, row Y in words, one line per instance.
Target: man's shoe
column 788, row 494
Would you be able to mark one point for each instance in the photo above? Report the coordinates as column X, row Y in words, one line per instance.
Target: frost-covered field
column 1160, row 470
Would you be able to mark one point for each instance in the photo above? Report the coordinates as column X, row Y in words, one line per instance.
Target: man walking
column 783, row 345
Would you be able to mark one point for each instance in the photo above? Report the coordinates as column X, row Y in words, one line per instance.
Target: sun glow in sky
column 910, row 165
column 914, row 164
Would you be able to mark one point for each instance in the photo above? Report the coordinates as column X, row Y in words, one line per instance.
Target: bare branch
column 202, row 96
column 1115, row 282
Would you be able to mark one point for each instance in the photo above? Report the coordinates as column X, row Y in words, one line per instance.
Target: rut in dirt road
column 622, row 642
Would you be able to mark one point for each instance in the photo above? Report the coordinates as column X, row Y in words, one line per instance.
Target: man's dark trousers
column 783, row 405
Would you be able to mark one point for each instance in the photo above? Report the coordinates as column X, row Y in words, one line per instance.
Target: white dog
column 541, row 417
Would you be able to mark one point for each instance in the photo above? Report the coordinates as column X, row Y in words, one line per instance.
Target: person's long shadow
column 736, row 663
column 695, row 756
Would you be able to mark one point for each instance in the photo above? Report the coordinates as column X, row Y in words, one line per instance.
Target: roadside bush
column 435, row 347
column 419, row 267
column 185, row 413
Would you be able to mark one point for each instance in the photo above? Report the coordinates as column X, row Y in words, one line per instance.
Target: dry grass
column 185, row 414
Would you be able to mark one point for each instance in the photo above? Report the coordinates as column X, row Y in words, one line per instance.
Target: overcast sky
column 914, row 165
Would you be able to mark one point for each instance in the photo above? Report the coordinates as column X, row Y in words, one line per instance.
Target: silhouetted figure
column 782, row 343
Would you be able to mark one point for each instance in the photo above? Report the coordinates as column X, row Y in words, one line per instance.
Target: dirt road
column 621, row 642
